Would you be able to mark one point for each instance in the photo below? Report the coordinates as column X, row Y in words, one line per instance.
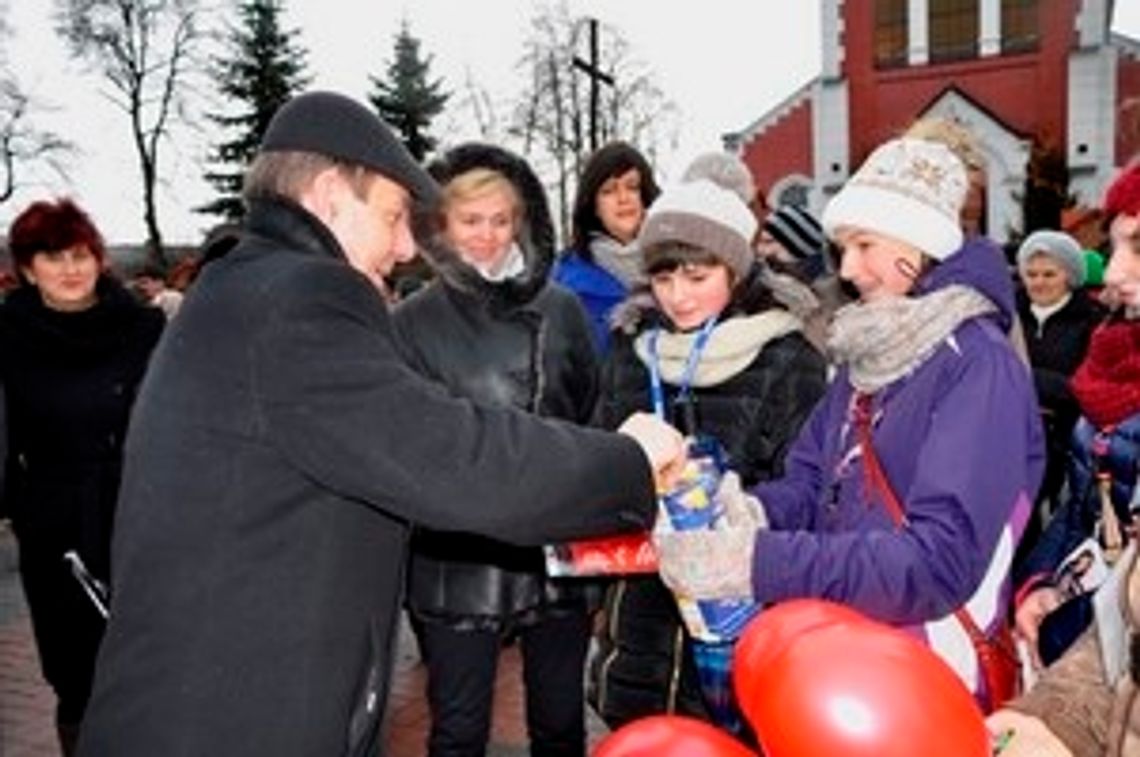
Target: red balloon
column 863, row 689
column 670, row 736
column 768, row 635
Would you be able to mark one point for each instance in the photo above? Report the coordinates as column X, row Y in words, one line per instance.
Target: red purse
column 997, row 656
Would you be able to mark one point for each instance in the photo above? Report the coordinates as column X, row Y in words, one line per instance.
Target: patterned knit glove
column 707, row 564
column 740, row 508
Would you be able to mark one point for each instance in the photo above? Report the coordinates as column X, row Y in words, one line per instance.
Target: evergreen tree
column 262, row 69
column 408, row 100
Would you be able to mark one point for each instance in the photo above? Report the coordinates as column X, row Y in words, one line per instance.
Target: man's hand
column 662, row 444
column 1029, row 614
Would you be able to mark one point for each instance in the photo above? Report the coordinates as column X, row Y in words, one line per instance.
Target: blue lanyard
column 656, row 389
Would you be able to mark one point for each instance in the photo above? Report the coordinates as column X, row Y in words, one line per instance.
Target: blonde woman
column 493, row 329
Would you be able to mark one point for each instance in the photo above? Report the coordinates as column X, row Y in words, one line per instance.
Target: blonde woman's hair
column 478, row 182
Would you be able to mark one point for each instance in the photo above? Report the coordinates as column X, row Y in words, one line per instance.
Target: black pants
column 66, row 625
column 461, row 681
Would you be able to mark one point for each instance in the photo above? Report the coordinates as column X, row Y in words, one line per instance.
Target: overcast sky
column 723, row 63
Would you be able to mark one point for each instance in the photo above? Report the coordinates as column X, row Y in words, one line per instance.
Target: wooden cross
column 596, row 75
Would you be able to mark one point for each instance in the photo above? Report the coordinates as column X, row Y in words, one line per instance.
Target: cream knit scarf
column 883, row 341
column 732, row 346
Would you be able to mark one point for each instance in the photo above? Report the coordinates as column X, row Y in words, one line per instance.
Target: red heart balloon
column 864, row 689
column 768, row 635
column 670, row 736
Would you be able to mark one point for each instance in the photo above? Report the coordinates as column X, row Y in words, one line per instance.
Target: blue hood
column 980, row 265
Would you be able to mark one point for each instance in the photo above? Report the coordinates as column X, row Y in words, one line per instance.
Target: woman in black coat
column 491, row 328
column 73, row 348
column 1058, row 318
column 732, row 364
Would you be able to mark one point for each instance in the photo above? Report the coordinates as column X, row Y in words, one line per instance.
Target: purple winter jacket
column 960, row 441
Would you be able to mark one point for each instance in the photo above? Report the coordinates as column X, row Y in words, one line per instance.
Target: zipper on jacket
column 539, row 367
column 604, row 668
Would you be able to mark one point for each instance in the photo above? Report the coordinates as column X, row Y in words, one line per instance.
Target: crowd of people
column 224, row 498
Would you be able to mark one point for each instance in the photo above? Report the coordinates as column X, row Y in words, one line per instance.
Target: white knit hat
column 908, row 189
column 1059, row 246
column 704, row 215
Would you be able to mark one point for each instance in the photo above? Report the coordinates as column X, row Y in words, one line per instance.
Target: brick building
column 1018, row 73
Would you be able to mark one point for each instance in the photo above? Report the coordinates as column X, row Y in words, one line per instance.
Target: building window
column 890, row 33
column 953, row 29
column 1019, row 27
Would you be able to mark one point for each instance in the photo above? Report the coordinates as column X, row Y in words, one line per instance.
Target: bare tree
column 551, row 115
column 472, row 102
column 22, row 145
column 146, row 51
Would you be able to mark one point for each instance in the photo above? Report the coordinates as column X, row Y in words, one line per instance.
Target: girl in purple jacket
column 928, row 383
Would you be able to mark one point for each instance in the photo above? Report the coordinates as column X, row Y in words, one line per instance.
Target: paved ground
column 26, row 704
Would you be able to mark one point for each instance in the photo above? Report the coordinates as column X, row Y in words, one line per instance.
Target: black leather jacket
column 523, row 343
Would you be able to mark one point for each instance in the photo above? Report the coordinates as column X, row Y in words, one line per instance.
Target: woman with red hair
column 73, row 348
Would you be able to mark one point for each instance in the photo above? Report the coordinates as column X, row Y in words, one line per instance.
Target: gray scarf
column 622, row 261
column 791, row 293
column 883, row 341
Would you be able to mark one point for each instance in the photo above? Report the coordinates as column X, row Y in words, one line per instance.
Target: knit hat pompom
column 726, row 171
column 705, row 216
column 1059, row 246
column 908, row 189
column 1123, row 196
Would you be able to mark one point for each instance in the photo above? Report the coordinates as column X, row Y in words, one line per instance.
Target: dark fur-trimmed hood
column 536, row 237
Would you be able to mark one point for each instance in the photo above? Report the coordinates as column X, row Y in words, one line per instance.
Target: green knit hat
column 1094, row 268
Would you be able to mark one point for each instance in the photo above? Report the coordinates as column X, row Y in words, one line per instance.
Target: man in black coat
column 279, row 453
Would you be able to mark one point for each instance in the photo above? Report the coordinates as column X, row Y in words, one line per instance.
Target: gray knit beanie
column 1059, row 246
column 703, row 215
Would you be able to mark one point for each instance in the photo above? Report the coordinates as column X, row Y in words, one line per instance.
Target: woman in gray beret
column 1058, row 317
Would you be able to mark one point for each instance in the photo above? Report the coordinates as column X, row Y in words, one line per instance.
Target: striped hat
column 796, row 230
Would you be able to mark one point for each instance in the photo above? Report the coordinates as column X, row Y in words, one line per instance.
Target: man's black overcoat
column 278, row 452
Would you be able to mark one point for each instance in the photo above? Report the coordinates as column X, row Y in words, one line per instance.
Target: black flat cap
column 331, row 124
